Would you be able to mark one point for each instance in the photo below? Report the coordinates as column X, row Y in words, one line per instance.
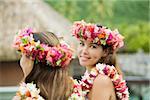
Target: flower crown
column 28, row 92
column 59, row 55
column 100, row 35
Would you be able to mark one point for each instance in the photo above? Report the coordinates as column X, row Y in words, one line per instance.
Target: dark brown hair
column 54, row 83
column 110, row 57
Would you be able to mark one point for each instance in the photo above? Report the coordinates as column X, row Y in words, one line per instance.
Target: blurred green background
column 131, row 17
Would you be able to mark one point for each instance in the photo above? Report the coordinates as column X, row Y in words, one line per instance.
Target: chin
column 83, row 63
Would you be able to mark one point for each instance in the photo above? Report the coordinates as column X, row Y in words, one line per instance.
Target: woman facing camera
column 97, row 49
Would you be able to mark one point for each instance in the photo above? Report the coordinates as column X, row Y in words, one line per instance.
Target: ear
column 105, row 52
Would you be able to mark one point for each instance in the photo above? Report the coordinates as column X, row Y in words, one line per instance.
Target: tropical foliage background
column 131, row 17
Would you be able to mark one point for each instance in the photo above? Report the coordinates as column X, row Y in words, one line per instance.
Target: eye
column 94, row 46
column 81, row 44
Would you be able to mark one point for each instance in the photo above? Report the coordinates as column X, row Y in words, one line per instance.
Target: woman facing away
column 45, row 62
column 96, row 51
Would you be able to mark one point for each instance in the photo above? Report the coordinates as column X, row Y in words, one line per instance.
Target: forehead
column 87, row 42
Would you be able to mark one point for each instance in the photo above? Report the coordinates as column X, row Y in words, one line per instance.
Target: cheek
column 78, row 51
column 97, row 54
column 97, row 58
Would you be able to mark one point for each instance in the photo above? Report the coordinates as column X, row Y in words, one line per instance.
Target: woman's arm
column 102, row 88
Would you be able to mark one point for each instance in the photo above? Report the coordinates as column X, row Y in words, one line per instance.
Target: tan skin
column 26, row 65
column 89, row 54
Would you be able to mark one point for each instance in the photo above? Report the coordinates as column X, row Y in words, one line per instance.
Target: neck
column 89, row 68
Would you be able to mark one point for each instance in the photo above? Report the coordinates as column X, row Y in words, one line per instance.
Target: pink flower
column 59, row 55
column 115, row 39
column 91, row 32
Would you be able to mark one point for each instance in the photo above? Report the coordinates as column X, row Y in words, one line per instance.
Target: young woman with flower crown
column 45, row 63
column 103, row 79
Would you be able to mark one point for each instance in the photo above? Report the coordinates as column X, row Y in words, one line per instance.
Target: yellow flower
column 21, row 48
column 32, row 43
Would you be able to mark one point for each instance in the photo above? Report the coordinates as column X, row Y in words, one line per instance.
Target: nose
column 85, row 50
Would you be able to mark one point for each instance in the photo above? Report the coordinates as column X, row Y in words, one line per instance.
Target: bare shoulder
column 103, row 81
column 105, row 88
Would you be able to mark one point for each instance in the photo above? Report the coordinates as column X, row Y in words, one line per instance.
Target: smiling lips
column 84, row 58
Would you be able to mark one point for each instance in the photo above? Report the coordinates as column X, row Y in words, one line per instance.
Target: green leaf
column 58, row 62
column 24, row 40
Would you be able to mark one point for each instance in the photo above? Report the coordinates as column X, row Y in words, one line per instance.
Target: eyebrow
column 94, row 43
column 81, row 41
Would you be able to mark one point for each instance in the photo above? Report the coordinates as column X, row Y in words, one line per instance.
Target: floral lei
column 121, row 89
column 100, row 35
column 30, row 92
column 77, row 91
column 59, row 55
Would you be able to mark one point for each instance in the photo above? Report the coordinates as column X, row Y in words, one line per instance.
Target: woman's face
column 26, row 65
column 89, row 53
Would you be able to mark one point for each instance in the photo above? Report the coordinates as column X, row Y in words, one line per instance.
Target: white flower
column 88, row 34
column 31, row 37
column 37, row 43
column 31, row 89
column 100, row 67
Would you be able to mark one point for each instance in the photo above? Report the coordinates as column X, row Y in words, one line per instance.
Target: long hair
column 54, row 83
column 110, row 57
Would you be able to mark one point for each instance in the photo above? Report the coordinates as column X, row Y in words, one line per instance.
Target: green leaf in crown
column 103, row 42
column 38, row 47
column 24, row 40
column 58, row 62
column 42, row 49
column 80, row 33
